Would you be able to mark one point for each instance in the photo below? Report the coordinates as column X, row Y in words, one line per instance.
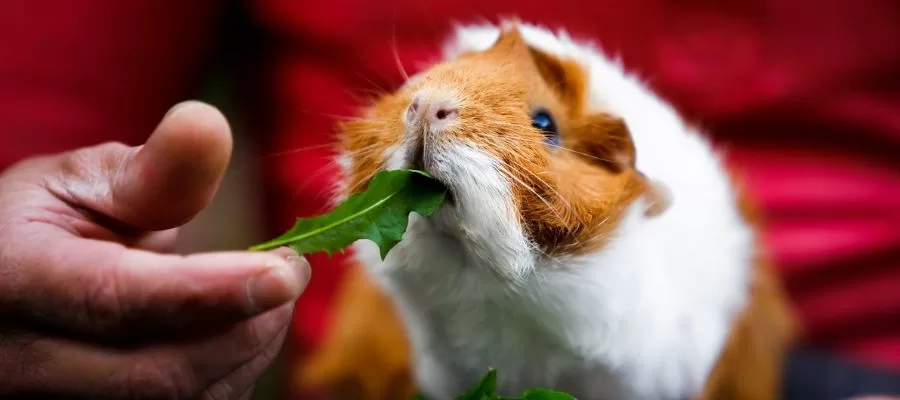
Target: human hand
column 91, row 305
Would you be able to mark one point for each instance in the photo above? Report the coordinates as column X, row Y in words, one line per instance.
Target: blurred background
column 802, row 96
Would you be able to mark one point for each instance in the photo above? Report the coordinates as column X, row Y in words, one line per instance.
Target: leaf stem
column 283, row 241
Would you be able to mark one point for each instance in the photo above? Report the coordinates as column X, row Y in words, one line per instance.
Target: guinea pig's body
column 594, row 242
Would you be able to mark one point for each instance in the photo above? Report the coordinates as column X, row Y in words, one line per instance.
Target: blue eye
column 543, row 121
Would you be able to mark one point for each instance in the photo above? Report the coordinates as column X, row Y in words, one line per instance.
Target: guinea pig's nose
column 437, row 112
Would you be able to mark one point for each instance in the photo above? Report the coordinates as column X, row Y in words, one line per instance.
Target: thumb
column 177, row 172
column 161, row 184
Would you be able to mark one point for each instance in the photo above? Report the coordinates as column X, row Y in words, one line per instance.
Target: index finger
column 103, row 288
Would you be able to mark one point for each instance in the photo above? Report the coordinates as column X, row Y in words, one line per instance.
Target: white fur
column 644, row 318
column 339, row 189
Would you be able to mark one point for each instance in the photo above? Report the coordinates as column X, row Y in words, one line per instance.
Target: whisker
column 509, row 175
column 513, row 134
column 297, row 191
column 544, row 253
column 297, row 150
column 371, row 82
column 513, row 138
column 566, row 203
column 394, row 47
column 362, row 182
column 332, row 116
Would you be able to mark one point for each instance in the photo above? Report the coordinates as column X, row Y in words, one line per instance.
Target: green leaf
column 539, row 394
column 380, row 214
column 484, row 389
column 545, row 394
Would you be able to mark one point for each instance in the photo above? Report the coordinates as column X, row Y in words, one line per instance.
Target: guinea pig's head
column 531, row 170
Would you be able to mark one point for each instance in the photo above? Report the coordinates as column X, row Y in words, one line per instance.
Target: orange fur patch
column 365, row 354
column 750, row 365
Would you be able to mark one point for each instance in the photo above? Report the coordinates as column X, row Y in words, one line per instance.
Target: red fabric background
column 804, row 96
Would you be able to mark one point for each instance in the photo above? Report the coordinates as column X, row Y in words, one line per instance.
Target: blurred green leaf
column 484, row 389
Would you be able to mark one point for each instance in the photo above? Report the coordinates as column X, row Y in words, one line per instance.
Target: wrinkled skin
column 91, row 304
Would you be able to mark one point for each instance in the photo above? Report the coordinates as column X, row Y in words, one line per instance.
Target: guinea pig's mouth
column 450, row 199
column 417, row 162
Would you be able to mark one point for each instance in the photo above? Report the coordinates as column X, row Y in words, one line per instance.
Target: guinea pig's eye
column 543, row 121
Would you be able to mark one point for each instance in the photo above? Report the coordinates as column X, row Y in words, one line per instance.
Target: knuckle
column 81, row 155
column 159, row 378
column 84, row 172
column 78, row 161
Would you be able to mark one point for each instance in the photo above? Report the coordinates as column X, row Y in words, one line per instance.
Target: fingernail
column 298, row 262
column 280, row 283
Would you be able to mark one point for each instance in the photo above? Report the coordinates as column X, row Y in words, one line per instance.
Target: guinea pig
column 593, row 242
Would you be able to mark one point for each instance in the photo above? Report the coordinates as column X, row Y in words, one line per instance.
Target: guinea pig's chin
column 493, row 247
column 482, row 216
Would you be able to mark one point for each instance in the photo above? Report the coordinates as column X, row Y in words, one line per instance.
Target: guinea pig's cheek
column 473, row 178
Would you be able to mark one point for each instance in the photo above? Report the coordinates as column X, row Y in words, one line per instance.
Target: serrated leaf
column 484, row 389
column 380, row 214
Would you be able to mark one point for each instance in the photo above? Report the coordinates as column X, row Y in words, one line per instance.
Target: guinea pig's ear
column 606, row 139
column 510, row 42
column 565, row 77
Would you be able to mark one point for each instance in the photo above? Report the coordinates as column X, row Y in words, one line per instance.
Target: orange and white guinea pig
column 593, row 242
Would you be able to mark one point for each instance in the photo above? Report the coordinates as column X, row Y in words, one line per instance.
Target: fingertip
column 304, row 270
column 186, row 105
column 283, row 281
column 196, row 127
column 204, row 114
column 298, row 262
column 284, row 252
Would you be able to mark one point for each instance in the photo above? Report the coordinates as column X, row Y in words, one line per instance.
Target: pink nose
column 437, row 113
